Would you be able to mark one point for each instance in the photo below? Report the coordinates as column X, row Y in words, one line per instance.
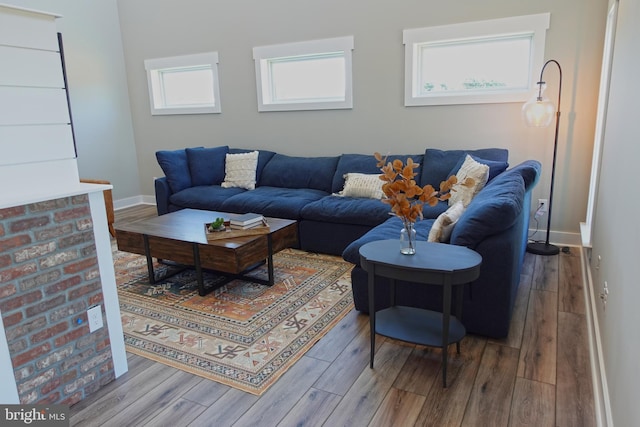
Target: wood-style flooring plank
column 119, row 398
column 539, row 342
column 422, row 370
column 445, row 406
column 399, row 408
column 206, row 392
column 570, row 286
column 574, row 401
column 367, row 393
column 545, row 273
column 339, row 337
column 348, row 366
column 312, row 409
column 148, row 405
column 278, row 400
column 226, row 410
column 490, row 399
column 178, row 413
column 533, row 404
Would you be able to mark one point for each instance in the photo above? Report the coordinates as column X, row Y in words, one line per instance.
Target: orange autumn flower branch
column 404, row 195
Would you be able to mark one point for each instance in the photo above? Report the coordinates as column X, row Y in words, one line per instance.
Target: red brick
column 34, row 251
column 76, row 239
column 18, row 346
column 95, row 361
column 12, row 212
column 30, row 355
column 19, row 301
column 48, row 205
column 14, row 242
column 25, row 328
column 49, row 332
column 1, row 230
column 84, row 290
column 106, row 368
column 5, row 260
column 63, row 285
column 45, row 306
column 7, row 290
column 28, row 223
column 71, row 336
column 12, row 319
column 37, row 381
column 9, row 274
column 84, row 224
column 29, row 398
column 80, row 265
column 24, row 372
column 56, row 382
column 80, row 383
column 50, row 399
column 55, row 357
column 96, row 299
column 103, row 344
column 53, row 232
column 78, row 307
column 58, row 259
column 73, row 399
column 74, row 213
column 80, row 199
column 39, row 280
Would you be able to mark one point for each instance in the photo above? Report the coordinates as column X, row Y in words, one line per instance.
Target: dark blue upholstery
column 347, row 210
column 299, row 172
column 495, row 167
column 437, row 164
column 366, row 163
column 206, row 165
column 273, row 201
column 207, row 197
column 175, row 166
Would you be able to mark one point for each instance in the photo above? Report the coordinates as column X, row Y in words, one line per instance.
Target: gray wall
column 378, row 121
column 98, row 90
column 616, row 230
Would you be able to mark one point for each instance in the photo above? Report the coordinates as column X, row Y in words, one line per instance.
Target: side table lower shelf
column 418, row 326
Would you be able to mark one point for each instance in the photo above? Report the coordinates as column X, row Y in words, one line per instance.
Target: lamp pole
column 537, row 247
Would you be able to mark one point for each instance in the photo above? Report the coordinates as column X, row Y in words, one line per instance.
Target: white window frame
column 154, row 67
column 263, row 55
column 534, row 26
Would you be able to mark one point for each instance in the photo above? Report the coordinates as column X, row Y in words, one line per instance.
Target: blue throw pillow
column 438, row 163
column 175, row 166
column 206, row 165
column 495, row 167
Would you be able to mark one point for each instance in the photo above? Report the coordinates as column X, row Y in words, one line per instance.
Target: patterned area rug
column 243, row 334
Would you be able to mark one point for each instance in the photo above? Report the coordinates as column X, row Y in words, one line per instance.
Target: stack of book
column 247, row 221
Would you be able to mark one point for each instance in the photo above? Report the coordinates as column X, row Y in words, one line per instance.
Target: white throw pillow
column 443, row 225
column 240, row 170
column 469, row 169
column 362, row 185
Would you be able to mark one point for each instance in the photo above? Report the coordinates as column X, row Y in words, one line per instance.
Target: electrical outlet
column 604, row 295
column 94, row 314
column 543, row 205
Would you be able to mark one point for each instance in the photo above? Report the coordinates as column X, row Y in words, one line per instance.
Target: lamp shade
column 538, row 111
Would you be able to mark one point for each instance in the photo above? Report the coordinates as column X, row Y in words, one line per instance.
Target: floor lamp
column 539, row 112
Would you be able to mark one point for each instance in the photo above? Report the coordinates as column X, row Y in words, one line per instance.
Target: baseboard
column 601, row 398
column 133, row 201
column 557, row 238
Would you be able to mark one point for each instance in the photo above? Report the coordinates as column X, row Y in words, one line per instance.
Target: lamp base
column 541, row 248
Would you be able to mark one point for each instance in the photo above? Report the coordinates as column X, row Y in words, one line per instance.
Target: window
column 184, row 84
column 312, row 75
column 475, row 62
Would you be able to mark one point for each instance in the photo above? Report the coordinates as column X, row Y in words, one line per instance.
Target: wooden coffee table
column 180, row 237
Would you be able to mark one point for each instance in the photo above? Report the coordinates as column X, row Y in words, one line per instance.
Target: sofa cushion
column 240, row 170
column 362, row 185
column 437, row 164
column 495, row 167
column 273, row 201
column 299, row 172
column 207, row 197
column 493, row 210
column 390, row 229
column 175, row 165
column 263, row 158
column 443, row 225
column 365, row 163
column 206, row 165
column 347, row 210
column 479, row 172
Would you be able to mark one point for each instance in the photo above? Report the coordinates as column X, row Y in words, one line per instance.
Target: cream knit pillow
column 469, row 169
column 443, row 225
column 362, row 185
column 240, row 170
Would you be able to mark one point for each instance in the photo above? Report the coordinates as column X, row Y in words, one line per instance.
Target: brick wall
column 49, row 277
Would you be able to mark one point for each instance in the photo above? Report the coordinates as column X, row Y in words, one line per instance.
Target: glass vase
column 408, row 239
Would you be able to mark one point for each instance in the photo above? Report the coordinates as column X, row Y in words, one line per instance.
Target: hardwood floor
column 538, row 376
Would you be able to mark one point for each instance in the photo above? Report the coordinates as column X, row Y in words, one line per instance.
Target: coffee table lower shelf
column 417, row 326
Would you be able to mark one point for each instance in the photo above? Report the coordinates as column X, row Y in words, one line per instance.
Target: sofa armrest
column 163, row 192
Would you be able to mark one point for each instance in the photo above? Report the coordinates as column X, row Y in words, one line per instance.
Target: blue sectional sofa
column 303, row 188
